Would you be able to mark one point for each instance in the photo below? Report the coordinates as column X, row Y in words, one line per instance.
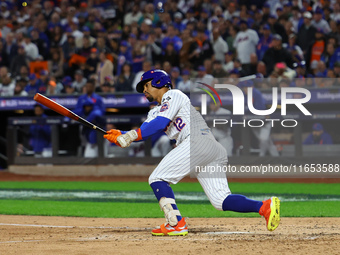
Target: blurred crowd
column 55, row 46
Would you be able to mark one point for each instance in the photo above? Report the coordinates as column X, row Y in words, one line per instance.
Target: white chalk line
column 229, row 233
column 56, row 226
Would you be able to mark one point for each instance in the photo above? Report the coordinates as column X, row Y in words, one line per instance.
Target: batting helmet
column 158, row 78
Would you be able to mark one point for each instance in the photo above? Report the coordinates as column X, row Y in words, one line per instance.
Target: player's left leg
column 173, row 167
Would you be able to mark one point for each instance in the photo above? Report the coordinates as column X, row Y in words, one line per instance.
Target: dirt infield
column 69, row 235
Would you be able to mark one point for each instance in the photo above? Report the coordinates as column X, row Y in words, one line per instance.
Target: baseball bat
column 64, row 111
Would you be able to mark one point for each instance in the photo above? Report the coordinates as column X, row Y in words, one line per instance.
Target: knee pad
column 169, row 212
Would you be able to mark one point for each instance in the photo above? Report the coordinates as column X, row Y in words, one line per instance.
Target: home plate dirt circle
column 71, row 235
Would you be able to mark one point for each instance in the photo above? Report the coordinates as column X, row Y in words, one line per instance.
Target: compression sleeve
column 148, row 129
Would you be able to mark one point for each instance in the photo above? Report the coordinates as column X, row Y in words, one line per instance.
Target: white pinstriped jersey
column 177, row 107
column 196, row 147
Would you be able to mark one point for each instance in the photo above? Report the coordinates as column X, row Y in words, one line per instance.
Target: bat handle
column 99, row 129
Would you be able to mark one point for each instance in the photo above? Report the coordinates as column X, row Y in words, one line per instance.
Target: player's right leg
column 215, row 185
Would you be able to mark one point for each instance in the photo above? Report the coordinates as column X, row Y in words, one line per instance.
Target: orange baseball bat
column 64, row 111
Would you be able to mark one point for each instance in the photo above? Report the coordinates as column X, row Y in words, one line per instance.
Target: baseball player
column 195, row 147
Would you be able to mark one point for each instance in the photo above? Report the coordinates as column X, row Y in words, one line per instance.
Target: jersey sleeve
column 171, row 104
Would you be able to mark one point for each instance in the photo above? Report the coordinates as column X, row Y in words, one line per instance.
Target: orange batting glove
column 112, row 136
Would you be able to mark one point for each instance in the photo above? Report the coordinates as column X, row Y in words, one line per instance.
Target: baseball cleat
column 271, row 212
column 181, row 229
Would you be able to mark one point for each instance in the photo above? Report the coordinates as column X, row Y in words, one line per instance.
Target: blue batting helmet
column 158, row 78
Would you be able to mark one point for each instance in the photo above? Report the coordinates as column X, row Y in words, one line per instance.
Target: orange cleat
column 271, row 212
column 181, row 229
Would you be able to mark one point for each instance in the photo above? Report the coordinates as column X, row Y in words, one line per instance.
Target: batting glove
column 126, row 139
column 112, row 136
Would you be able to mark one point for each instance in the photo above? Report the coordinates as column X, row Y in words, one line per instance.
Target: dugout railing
column 58, row 157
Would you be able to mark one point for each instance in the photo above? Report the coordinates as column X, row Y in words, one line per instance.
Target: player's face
column 150, row 92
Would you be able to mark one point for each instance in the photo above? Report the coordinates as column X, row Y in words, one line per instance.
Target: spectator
column 328, row 56
column 300, row 68
column 55, row 65
column 281, row 71
column 277, row 54
column 170, row 55
column 18, row 61
column 86, row 33
column 146, row 67
column 184, row 52
column 232, row 33
column 3, row 28
column 203, row 77
column 106, row 88
column 7, row 86
column 231, row 11
column 89, row 93
column 277, row 28
column 264, row 42
column 40, row 140
column 125, row 56
column 318, row 136
column 93, row 114
column 35, row 85
column 104, row 68
column 245, row 43
column 20, row 84
column 261, row 70
column 40, row 43
column 44, row 77
column 178, row 24
column 125, row 79
column 54, row 88
column 316, row 47
column 218, row 71
column 200, row 49
column 175, row 77
column 3, row 55
column 172, row 38
column 85, row 50
column 229, row 63
column 252, row 67
column 153, row 48
column 184, row 85
column 56, row 36
column 306, row 33
column 134, row 16
column 149, row 13
column 79, row 81
column 294, row 49
column 319, row 23
column 138, row 57
column 69, row 88
column 295, row 18
column 91, row 63
column 69, row 47
column 219, row 45
column 10, row 47
column 31, row 49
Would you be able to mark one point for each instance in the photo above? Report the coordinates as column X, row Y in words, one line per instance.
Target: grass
column 148, row 210
column 270, row 188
